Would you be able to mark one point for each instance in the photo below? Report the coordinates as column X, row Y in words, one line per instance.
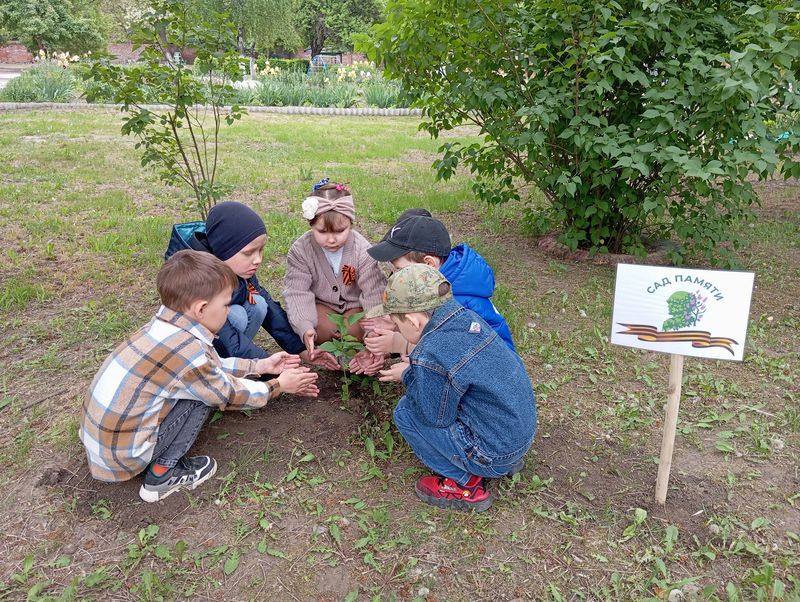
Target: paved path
column 8, row 72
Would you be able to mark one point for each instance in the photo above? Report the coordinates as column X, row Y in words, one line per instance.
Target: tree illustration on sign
column 685, row 309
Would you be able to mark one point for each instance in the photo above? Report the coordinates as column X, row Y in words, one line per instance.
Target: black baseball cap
column 405, row 215
column 416, row 233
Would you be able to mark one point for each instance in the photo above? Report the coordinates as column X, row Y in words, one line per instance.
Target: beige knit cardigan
column 310, row 280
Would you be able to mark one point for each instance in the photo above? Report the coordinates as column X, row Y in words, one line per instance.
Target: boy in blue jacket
column 419, row 238
column 237, row 235
column 469, row 412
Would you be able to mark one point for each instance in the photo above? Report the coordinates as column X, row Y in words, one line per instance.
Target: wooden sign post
column 670, row 426
column 700, row 313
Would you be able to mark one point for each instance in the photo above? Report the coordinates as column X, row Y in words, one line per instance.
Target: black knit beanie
column 230, row 227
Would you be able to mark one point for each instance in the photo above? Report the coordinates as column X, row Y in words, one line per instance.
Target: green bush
column 44, row 82
column 637, row 120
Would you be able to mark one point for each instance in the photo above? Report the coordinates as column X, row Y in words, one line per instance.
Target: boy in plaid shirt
column 151, row 396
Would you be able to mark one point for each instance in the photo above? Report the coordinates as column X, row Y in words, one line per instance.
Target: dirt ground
column 567, row 532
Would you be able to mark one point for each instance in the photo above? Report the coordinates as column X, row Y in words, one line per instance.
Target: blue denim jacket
column 463, row 373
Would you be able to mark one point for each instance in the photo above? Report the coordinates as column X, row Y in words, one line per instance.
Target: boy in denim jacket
column 469, row 412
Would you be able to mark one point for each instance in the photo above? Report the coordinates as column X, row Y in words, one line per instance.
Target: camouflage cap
column 414, row 288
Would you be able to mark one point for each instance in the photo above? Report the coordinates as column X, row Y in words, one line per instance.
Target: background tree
column 333, row 23
column 261, row 25
column 636, row 119
column 123, row 16
column 63, row 25
column 180, row 142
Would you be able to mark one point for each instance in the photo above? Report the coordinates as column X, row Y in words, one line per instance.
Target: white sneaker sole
column 157, row 496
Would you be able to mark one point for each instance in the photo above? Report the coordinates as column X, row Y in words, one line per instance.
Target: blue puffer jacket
column 472, row 280
column 233, row 343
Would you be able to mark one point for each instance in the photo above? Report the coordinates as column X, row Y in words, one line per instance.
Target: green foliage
column 345, row 347
column 323, row 89
column 180, row 142
column 121, row 16
column 45, row 82
column 53, row 24
column 637, row 120
column 333, row 23
column 381, row 93
column 293, row 65
column 259, row 24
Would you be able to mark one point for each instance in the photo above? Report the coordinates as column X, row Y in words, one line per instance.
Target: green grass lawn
column 313, row 499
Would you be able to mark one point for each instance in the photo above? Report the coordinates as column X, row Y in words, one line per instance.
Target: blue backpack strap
column 181, row 234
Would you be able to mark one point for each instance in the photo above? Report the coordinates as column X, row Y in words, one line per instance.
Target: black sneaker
column 187, row 474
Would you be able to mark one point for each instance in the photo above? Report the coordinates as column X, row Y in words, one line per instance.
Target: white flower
column 310, row 207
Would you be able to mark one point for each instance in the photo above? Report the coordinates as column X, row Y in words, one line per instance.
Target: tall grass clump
column 382, row 94
column 45, row 82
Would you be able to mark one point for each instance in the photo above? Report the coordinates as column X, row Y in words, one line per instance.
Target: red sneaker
column 446, row 493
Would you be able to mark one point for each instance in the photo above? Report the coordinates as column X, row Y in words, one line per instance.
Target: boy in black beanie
column 237, row 235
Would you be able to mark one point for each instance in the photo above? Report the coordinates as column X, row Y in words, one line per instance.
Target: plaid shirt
column 169, row 359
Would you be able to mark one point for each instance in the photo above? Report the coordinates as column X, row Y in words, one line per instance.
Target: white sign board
column 702, row 313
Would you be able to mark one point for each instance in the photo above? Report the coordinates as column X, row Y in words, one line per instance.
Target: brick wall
column 14, row 52
column 124, row 53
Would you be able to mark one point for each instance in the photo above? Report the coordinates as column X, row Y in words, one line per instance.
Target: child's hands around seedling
column 277, row 363
column 312, row 355
column 365, row 362
column 394, row 373
column 299, row 381
column 380, row 341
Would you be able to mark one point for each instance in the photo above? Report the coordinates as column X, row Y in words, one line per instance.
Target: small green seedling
column 345, row 347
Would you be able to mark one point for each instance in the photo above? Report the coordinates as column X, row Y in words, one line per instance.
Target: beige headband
column 314, row 205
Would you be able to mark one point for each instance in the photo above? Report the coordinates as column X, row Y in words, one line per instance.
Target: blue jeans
column 179, row 430
column 451, row 451
column 249, row 317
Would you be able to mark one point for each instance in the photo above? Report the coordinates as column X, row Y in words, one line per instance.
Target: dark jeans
column 179, row 431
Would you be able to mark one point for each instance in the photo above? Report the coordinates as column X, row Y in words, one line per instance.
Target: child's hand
column 394, row 373
column 277, row 363
column 380, row 341
column 299, row 381
column 365, row 362
column 384, row 322
column 308, row 339
column 324, row 359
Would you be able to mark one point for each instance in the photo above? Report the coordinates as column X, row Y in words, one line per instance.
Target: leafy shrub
column 45, row 82
column 179, row 143
column 787, row 122
column 634, row 118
